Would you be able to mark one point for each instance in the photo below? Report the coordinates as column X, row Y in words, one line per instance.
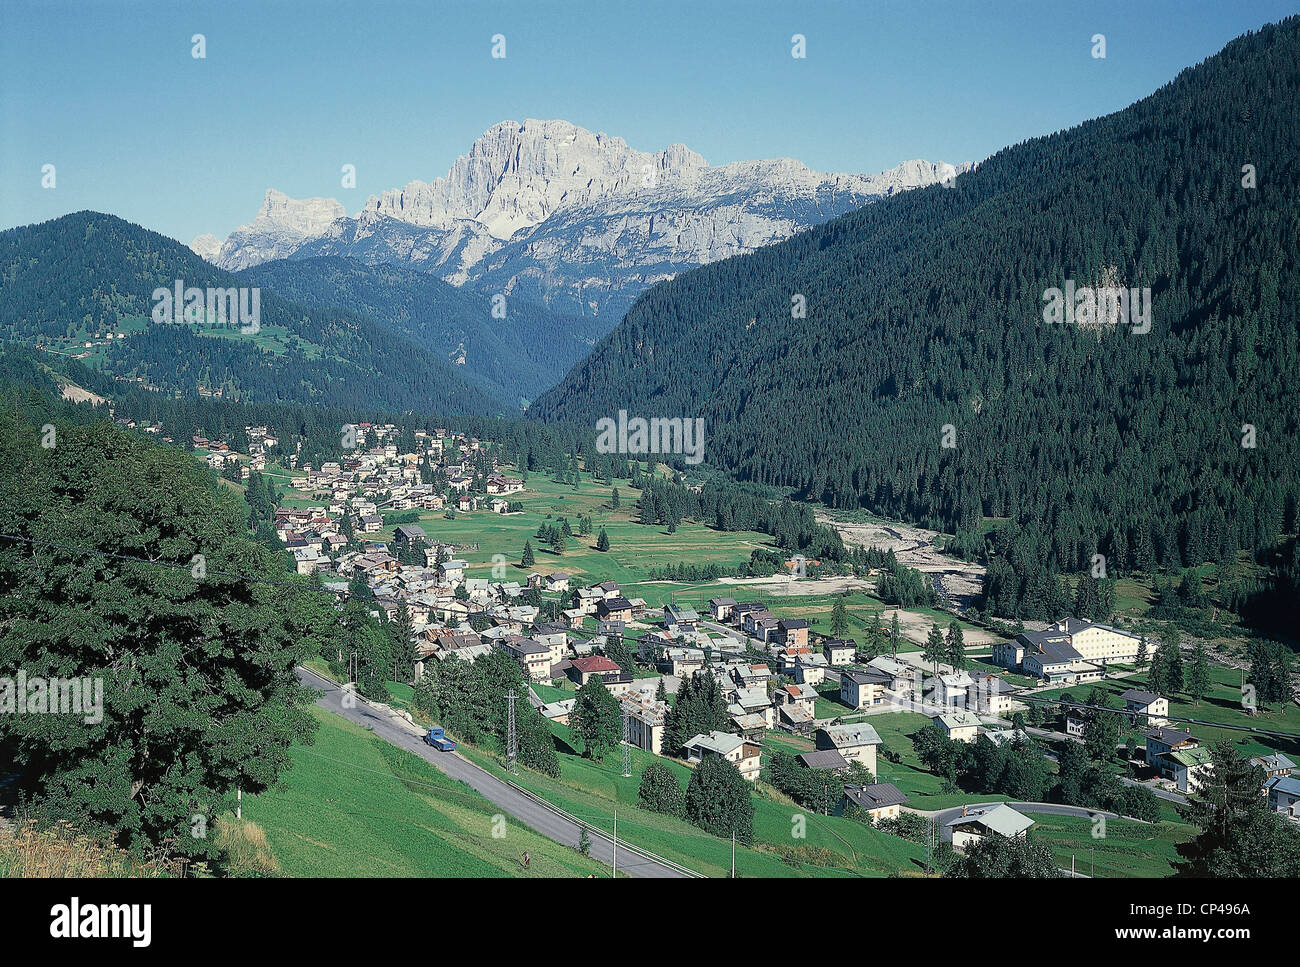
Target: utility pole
column 627, row 746
column 615, row 873
column 733, row 854
column 512, row 744
column 1072, row 866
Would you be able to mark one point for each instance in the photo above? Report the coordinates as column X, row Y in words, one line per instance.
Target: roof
column 878, row 795
column 793, row 624
column 1001, row 819
column 723, row 602
column 958, row 718
column 866, row 676
column 1190, row 758
column 596, row 663
column 1287, row 784
column 1139, row 697
column 1170, row 737
column 1273, row 763
column 722, row 743
column 850, row 735
column 823, row 759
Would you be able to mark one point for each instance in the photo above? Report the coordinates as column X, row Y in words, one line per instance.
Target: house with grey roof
column 856, row 742
column 977, row 822
column 880, row 800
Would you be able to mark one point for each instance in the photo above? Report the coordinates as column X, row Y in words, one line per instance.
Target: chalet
column 407, row 536
column 959, row 724
column 500, row 505
column 558, row 582
column 677, row 618
column 616, row 609
column 372, row 524
column 610, row 590
column 1274, row 765
column 740, row 611
column 1149, row 704
column 1161, row 743
column 752, row 727
column 1283, row 793
column 977, row 822
column 880, row 800
column 800, row 696
column 720, row 608
column 810, row 670
column 451, row 573
column 792, row 632
column 953, row 689
column 863, row 688
column 645, row 721
column 838, row 651
column 587, row 600
column 750, row 701
column 1076, row 723
column 560, row 711
column 533, row 657
column 742, row 754
column 1189, row 767
column 990, row 695
column 582, row 669
column 902, row 677
column 857, row 742
column 466, row 503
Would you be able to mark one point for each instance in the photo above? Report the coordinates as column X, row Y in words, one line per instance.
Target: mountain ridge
column 531, row 200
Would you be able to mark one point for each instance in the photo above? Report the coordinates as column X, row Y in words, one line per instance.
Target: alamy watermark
column 53, row 696
column 639, row 436
column 181, row 306
column 1091, row 306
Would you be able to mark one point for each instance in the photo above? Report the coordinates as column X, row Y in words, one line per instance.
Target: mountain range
column 575, row 220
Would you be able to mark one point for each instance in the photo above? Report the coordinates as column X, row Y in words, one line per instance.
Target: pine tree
column 936, row 649
column 894, row 635
column 956, row 646
column 1198, row 678
column 602, row 542
column 839, row 617
column 527, row 559
column 613, row 499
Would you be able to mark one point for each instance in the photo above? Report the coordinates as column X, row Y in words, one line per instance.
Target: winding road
column 523, row 807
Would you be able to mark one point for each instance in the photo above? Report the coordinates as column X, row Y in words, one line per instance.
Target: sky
column 289, row 92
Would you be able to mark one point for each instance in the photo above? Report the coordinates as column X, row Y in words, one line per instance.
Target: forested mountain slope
column 926, row 310
column 78, row 278
column 512, row 358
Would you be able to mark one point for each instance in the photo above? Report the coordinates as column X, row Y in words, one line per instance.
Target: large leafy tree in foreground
column 197, row 668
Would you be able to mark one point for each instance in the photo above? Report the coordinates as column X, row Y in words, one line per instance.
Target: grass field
column 1128, row 848
column 353, row 805
column 634, row 548
column 833, row 846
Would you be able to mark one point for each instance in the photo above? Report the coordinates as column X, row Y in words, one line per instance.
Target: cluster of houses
column 1179, row 756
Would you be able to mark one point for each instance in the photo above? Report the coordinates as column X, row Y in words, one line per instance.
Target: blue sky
column 289, row 91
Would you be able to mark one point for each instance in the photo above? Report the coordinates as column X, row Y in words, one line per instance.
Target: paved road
column 510, row 801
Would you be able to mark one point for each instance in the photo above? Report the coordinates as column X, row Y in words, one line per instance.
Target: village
column 787, row 687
